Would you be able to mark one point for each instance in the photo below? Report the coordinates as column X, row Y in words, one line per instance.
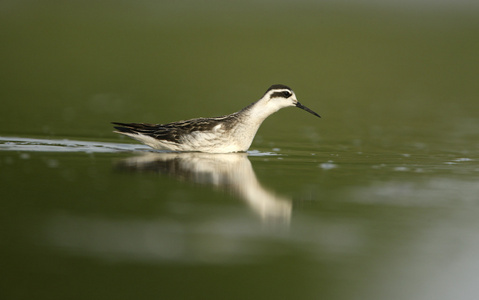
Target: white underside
column 216, row 141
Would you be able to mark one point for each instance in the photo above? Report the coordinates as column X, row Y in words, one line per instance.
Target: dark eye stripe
column 283, row 94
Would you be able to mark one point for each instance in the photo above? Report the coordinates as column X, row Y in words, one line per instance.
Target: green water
column 376, row 200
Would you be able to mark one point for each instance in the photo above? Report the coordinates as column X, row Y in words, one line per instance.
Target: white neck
column 251, row 118
column 257, row 112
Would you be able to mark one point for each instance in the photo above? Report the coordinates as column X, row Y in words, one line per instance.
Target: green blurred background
column 68, row 68
column 383, row 188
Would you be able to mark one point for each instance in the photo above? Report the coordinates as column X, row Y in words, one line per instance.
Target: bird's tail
column 133, row 128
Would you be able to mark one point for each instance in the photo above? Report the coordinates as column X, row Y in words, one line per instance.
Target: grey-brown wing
column 170, row 132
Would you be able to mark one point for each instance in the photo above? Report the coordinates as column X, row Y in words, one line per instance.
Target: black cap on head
column 278, row 87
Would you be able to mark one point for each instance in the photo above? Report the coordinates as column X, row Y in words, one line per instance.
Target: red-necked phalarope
column 230, row 133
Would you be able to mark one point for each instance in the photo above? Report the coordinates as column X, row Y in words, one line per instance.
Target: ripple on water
column 65, row 145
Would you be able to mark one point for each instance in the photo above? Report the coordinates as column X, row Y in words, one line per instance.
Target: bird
column 229, row 133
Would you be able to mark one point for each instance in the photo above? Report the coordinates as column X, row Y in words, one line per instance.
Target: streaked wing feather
column 174, row 131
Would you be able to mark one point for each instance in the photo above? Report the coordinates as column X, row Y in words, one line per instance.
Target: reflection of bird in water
column 232, row 172
column 230, row 133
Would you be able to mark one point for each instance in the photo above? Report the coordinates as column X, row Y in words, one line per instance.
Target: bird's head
column 279, row 96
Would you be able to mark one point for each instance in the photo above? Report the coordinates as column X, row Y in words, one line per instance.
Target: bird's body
column 229, row 133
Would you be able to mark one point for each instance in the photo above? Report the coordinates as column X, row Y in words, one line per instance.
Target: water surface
column 377, row 222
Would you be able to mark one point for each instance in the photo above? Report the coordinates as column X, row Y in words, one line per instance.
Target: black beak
column 307, row 109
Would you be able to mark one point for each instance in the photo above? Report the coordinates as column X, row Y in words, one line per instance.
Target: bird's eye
column 287, row 94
